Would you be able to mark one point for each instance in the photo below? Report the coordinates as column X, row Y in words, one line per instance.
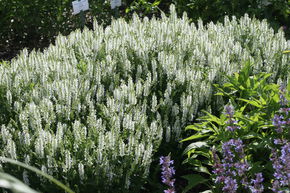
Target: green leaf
column 156, row 3
column 254, row 103
column 193, row 180
column 202, row 169
column 212, row 118
column 127, row 10
column 194, row 146
column 207, row 191
column 37, row 171
column 9, row 182
column 192, row 127
column 196, row 136
column 228, row 85
column 252, row 135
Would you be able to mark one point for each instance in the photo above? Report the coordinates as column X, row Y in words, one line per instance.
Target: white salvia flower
column 154, row 103
column 59, row 133
column 39, row 146
column 68, row 162
column 81, row 171
column 168, row 134
column 25, row 177
column 132, row 98
column 101, row 142
column 138, row 88
column 26, row 137
column 99, row 156
column 27, row 159
column 11, row 149
column 117, row 94
column 5, row 134
column 122, row 147
column 44, row 169
column 9, row 97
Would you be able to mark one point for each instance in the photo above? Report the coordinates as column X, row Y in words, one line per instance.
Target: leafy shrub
column 92, row 109
column 252, row 118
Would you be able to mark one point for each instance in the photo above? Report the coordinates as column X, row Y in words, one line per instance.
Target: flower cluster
column 280, row 123
column 281, row 165
column 229, row 111
column 232, row 167
column 283, row 99
column 167, row 173
column 256, row 184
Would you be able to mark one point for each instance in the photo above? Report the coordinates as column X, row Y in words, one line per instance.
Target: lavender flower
column 257, row 186
column 167, row 173
column 229, row 111
column 283, row 99
column 232, row 167
column 276, row 187
column 281, row 165
column 279, row 122
column 231, row 185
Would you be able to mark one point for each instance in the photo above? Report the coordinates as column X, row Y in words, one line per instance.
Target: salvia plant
column 250, row 139
column 168, row 172
column 92, row 109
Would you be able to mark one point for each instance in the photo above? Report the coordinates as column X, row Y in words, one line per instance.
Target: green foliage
column 9, row 182
column 17, row 186
column 93, row 109
column 255, row 102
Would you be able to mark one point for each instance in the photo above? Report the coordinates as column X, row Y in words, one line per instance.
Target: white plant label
column 115, row 3
column 79, row 6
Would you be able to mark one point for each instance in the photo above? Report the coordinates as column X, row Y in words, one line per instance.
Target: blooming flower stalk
column 281, row 165
column 229, row 112
column 257, row 186
column 232, row 167
column 167, row 173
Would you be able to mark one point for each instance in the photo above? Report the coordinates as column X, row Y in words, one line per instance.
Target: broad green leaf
column 213, row 118
column 37, row 171
column 192, row 127
column 193, row 137
column 202, row 169
column 194, row 146
column 9, row 182
column 193, row 180
column 254, row 103
column 228, row 84
column 193, row 161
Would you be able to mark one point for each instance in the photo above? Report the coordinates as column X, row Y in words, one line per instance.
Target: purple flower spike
column 279, row 122
column 167, row 173
column 233, row 166
column 231, row 185
column 281, row 165
column 283, row 99
column 257, row 186
column 229, row 112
